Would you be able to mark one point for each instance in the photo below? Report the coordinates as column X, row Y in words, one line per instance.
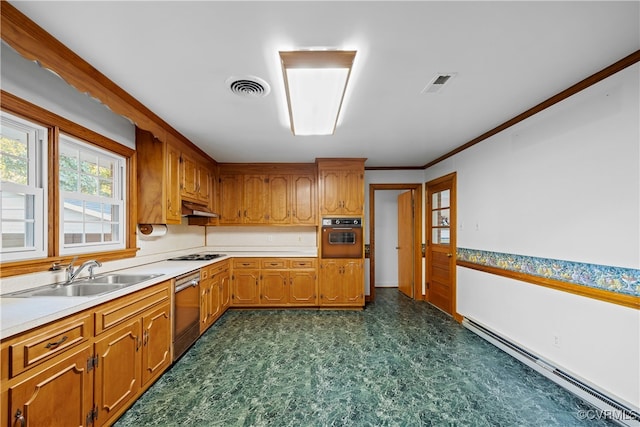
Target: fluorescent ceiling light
column 315, row 82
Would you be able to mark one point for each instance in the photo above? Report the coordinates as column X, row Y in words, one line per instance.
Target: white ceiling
column 175, row 56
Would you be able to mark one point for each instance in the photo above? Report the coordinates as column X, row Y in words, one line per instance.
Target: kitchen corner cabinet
column 214, row 293
column 341, row 186
column 89, row 367
column 341, row 283
column 158, row 169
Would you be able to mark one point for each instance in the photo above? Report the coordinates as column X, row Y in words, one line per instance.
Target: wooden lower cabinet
column 279, row 282
column 57, row 395
column 87, row 369
column 341, row 282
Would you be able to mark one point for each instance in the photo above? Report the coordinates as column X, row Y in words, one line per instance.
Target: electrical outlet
column 270, row 238
column 556, row 341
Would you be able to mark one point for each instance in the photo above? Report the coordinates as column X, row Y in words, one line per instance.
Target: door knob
column 449, row 255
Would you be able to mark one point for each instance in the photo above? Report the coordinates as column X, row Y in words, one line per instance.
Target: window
column 64, row 191
column 92, row 208
column 23, row 197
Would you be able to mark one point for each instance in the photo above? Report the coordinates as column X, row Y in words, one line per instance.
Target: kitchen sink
column 85, row 287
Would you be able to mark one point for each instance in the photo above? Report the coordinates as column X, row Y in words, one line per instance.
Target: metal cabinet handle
column 449, row 255
column 20, row 418
column 57, row 343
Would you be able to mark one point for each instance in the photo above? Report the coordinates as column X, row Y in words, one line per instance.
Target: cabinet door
column 353, row 282
column 231, row 199
column 173, row 208
column 352, row 193
column 189, row 177
column 330, row 196
column 330, row 282
column 303, row 287
column 61, row 395
column 205, row 304
column 274, row 287
column 225, row 290
column 279, row 211
column 245, row 287
column 118, row 374
column 303, row 199
column 204, row 194
column 215, row 306
column 156, row 342
column 256, row 199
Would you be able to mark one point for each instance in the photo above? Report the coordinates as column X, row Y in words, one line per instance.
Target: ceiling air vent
column 248, row 86
column 437, row 82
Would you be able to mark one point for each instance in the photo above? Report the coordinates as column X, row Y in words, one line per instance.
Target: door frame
column 453, row 229
column 417, row 232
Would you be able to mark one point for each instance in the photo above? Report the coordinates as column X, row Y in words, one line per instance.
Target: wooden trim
column 34, row 43
column 417, row 228
column 585, row 291
column 570, row 91
column 392, row 168
column 42, row 264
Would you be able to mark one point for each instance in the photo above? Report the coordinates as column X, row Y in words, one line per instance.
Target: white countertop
column 21, row 314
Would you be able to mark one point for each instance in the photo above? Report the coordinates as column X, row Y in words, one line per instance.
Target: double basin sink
column 85, row 287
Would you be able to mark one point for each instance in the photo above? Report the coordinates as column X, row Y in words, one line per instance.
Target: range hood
column 190, row 209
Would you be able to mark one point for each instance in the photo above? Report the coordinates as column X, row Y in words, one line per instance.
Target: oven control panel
column 350, row 222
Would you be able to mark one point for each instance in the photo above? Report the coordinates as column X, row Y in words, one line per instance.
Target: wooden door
column 118, row 374
column 279, row 211
column 406, row 245
column 256, row 199
column 172, row 187
column 274, row 287
column 441, row 246
column 303, row 287
column 231, row 199
column 245, row 287
column 61, row 395
column 156, row 342
column 303, row 200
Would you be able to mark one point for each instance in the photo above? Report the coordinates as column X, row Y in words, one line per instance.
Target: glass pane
column 73, row 233
column 18, row 224
column 93, row 233
column 106, row 168
column 440, row 236
column 89, row 185
column 440, row 218
column 14, row 155
column 89, row 163
column 106, row 188
column 444, row 199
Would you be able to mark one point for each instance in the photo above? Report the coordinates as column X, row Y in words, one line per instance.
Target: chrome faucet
column 73, row 273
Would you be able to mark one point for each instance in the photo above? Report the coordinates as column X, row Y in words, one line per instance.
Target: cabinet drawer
column 277, row 263
column 218, row 268
column 126, row 307
column 303, row 263
column 246, row 263
column 204, row 273
column 46, row 342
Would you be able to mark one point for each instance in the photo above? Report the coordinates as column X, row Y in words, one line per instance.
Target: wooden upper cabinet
column 249, row 194
column 230, row 188
column 256, row 199
column 341, row 186
column 303, row 199
column 195, row 184
column 158, row 167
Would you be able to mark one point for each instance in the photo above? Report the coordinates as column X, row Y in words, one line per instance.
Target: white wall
column 563, row 184
column 257, row 238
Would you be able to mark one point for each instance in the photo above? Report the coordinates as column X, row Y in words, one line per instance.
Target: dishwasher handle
column 191, row 283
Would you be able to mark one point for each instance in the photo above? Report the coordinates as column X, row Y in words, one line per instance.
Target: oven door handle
column 192, row 283
column 342, row 228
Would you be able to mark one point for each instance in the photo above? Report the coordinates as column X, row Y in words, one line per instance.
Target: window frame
column 55, row 125
column 36, row 186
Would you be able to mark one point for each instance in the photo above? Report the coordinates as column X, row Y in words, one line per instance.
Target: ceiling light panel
column 315, row 84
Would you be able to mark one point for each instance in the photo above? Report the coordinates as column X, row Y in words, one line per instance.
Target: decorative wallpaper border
column 614, row 279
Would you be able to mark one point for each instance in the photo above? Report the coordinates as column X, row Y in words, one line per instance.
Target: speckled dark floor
column 397, row 363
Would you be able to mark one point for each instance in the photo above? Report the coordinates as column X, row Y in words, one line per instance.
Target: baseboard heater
column 605, row 406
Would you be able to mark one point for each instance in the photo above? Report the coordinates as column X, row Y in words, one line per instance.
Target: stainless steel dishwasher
column 186, row 313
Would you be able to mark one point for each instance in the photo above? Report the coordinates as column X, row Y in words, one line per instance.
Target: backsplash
column 614, row 279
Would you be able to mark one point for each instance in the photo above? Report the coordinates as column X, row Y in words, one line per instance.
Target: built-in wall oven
column 341, row 238
column 186, row 315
